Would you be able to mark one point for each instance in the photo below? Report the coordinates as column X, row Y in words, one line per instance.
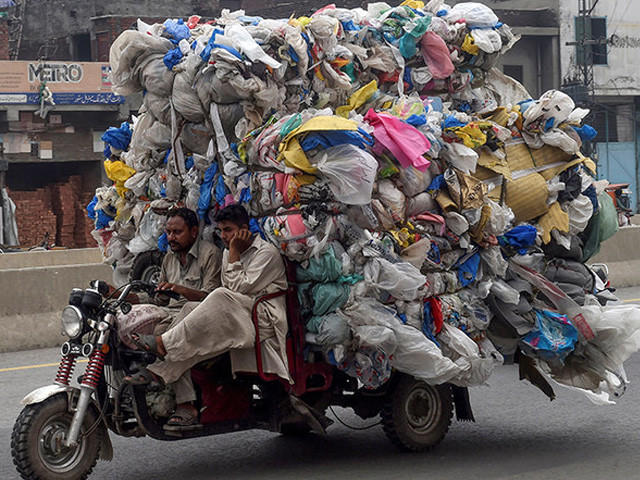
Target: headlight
column 72, row 321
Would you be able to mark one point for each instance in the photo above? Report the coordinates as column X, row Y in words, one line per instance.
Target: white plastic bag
column 334, row 330
column 393, row 199
column 402, row 280
column 473, row 14
column 414, row 181
column 415, row 354
column 505, row 292
column 552, row 104
column 148, row 233
column 617, row 332
column 492, row 257
column 457, row 346
column 421, row 203
column 247, row 45
column 376, row 336
column 488, row 40
column 580, row 211
column 461, row 157
column 457, row 223
column 350, row 172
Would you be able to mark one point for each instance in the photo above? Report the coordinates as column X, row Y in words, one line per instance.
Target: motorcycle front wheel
column 37, row 442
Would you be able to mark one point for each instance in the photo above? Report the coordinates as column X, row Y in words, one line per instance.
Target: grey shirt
column 201, row 271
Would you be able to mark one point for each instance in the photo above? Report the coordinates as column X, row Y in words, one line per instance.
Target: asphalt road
column 518, row 434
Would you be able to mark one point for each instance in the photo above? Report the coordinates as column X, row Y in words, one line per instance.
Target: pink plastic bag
column 405, row 142
column 436, row 55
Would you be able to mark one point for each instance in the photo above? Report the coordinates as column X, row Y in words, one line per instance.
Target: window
column 82, row 47
column 514, row 71
column 592, row 31
column 606, row 124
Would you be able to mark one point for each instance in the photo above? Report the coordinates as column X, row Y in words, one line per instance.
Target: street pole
column 4, row 166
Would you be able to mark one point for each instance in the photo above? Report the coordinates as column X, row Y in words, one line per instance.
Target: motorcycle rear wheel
column 37, row 442
column 417, row 415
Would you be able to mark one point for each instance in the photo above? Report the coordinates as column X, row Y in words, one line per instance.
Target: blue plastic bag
column 553, row 338
column 118, row 137
column 204, row 202
column 177, row 29
column 172, row 58
column 468, row 270
column 520, row 237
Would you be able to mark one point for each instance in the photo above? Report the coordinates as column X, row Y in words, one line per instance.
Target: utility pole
column 586, row 68
column 584, row 60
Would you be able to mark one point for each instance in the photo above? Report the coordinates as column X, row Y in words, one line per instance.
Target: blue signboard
column 63, row 98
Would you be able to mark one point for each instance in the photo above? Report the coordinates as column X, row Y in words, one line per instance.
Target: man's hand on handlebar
column 169, row 289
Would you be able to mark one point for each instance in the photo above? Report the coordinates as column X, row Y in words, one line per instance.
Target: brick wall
column 4, row 39
column 107, row 29
column 58, row 209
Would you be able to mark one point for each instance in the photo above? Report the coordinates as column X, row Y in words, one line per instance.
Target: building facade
column 587, row 47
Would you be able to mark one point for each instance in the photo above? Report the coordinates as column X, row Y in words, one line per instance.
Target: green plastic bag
column 608, row 217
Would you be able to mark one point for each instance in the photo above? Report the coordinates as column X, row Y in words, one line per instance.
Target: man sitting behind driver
column 251, row 267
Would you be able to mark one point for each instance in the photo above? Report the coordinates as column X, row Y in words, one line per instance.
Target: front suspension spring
column 65, row 370
column 93, row 373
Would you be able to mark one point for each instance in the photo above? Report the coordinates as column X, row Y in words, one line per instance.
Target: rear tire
column 417, row 415
column 36, row 442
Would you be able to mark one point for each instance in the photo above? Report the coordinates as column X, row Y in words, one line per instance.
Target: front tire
column 417, row 415
column 37, row 442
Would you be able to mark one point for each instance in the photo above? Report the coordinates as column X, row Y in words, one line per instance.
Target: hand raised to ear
column 241, row 241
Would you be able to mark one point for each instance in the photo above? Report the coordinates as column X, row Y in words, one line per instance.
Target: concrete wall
column 34, row 287
column 622, row 256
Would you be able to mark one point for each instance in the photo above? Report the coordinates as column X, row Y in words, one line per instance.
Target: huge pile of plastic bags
column 438, row 218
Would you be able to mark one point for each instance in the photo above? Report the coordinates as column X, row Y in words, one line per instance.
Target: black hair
column 189, row 216
column 235, row 214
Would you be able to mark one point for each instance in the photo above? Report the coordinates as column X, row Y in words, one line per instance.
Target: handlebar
column 134, row 286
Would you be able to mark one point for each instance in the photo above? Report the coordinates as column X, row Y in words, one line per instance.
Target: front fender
column 41, row 394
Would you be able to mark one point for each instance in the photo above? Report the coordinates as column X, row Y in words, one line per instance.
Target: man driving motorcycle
column 251, row 267
column 190, row 270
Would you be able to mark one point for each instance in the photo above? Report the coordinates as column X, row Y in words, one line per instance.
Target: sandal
column 147, row 343
column 182, row 418
column 143, row 377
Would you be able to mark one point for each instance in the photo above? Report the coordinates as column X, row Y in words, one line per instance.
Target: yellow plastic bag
column 358, row 98
column 119, row 172
column 469, row 45
column 415, row 4
column 291, row 152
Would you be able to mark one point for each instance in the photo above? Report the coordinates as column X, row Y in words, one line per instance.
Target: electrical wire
column 621, row 18
column 592, row 7
column 351, row 426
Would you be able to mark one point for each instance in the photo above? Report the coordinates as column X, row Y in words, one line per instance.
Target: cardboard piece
column 527, row 197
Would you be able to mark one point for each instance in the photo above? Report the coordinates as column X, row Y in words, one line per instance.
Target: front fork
column 89, row 382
